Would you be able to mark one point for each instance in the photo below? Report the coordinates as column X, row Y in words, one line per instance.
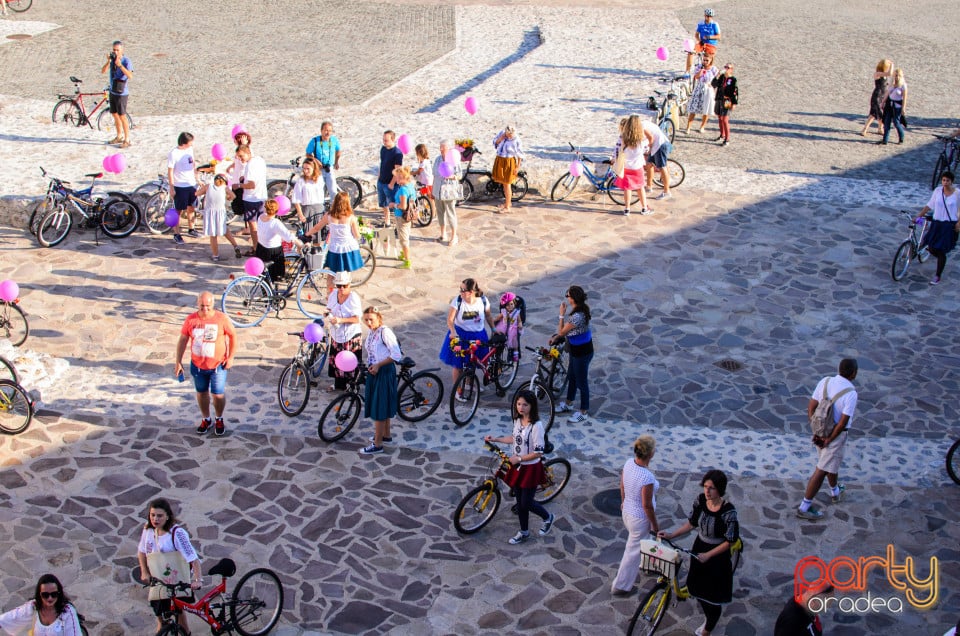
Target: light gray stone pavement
column 778, row 268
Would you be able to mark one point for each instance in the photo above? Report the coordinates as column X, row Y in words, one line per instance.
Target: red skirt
column 631, row 179
column 531, row 475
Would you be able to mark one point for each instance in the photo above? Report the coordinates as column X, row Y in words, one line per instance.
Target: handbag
column 451, row 190
column 727, row 104
column 169, row 567
column 619, row 164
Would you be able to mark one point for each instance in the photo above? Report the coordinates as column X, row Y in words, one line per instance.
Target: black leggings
column 712, row 613
column 526, row 503
column 941, row 259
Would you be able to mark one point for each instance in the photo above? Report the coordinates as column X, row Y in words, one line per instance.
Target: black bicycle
column 953, row 462
column 418, row 396
column 948, row 159
column 485, row 178
column 293, row 388
column 351, row 186
column 13, row 323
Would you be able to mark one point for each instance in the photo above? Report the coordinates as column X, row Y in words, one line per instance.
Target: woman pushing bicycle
column 528, row 443
column 468, row 314
column 942, row 237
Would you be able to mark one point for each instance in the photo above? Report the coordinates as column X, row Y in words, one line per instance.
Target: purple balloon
column 171, row 218
column 9, row 291
column 313, row 333
column 445, row 170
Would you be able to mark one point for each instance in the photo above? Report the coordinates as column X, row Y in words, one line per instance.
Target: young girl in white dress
column 343, row 238
column 215, row 214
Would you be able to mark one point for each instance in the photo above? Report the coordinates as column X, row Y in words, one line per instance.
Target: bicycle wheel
column 953, row 462
column 674, row 170
column 558, row 377
column 16, row 411
column 172, row 629
column 650, row 611
column 544, row 402
column 477, row 508
column 558, row 474
column 424, row 211
column 312, row 294
column 419, row 397
column 8, row 371
column 467, row 191
column 465, row 397
column 106, row 123
column 276, row 188
column 519, row 188
column 13, row 323
column 19, row 6
column 618, row 196
column 360, row 276
column 293, row 389
column 155, row 212
column 120, row 218
column 67, row 112
column 54, row 227
column 352, row 187
column 246, row 301
column 901, row 261
column 39, row 210
column 508, row 368
column 668, row 128
column 339, row 417
column 256, row 602
column 563, row 187
column 938, row 169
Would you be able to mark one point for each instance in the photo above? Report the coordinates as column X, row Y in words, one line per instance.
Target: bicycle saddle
column 95, row 175
column 75, row 80
column 407, row 362
column 226, row 568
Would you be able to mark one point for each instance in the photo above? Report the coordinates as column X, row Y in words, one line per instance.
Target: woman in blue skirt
column 382, row 352
column 942, row 235
column 468, row 314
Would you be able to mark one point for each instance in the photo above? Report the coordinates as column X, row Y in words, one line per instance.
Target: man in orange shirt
column 213, row 343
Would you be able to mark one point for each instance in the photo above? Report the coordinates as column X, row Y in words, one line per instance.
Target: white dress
column 702, row 98
column 215, row 211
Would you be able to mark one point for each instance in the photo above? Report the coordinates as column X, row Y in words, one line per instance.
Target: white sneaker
column 520, row 537
column 577, row 417
column 563, row 407
column 663, row 195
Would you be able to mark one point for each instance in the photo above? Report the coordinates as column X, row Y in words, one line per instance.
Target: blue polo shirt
column 708, row 32
column 117, row 74
column 324, row 151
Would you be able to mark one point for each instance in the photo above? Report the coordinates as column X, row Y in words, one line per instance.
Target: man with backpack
column 830, row 412
column 325, row 148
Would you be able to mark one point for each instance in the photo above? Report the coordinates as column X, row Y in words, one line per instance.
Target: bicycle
column 117, row 216
column 665, row 562
column 566, row 184
column 57, row 194
column 13, row 322
column 8, row 371
column 293, row 388
column 481, row 503
column 671, row 108
column 351, row 186
column 70, row 109
column 553, row 372
column 497, row 367
column 16, row 407
column 912, row 247
column 254, row 607
column 423, row 207
column 540, row 385
column 490, row 187
column 418, row 396
column 948, row 160
column 953, row 462
column 18, row 6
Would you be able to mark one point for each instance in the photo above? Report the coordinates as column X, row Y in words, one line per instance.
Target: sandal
column 250, row 253
column 237, row 252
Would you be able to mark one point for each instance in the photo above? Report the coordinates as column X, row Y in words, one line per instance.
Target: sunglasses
column 342, row 286
column 464, row 291
column 49, row 595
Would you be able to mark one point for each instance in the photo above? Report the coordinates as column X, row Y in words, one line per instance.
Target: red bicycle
column 70, row 109
column 19, row 6
column 497, row 366
column 252, row 610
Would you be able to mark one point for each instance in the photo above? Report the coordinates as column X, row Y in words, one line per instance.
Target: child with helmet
column 509, row 323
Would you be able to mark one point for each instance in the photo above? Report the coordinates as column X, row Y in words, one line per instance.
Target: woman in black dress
column 881, row 79
column 711, row 570
column 727, row 97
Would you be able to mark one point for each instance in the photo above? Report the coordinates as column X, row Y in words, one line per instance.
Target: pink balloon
column 688, row 45
column 9, row 291
column 470, row 104
column 239, row 128
column 119, row 163
column 283, row 204
column 453, row 156
column 313, row 333
column 218, row 152
column 346, row 361
column 576, row 168
column 445, row 170
column 663, row 54
column 404, row 144
column 108, row 163
column 254, row 266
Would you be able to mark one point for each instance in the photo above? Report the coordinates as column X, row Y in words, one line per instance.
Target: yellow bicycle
column 664, row 560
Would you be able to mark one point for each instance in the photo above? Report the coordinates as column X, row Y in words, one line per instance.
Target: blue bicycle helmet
column 708, row 12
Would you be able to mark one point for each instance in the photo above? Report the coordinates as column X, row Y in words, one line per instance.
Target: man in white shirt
column 253, row 181
column 830, row 451
column 182, row 177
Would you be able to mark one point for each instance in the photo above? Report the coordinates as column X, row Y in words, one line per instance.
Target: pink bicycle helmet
column 506, row 298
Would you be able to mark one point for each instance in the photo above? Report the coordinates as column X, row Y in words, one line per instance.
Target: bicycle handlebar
column 946, row 138
column 671, row 543
column 172, row 587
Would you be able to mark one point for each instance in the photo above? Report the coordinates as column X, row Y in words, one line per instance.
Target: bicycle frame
column 477, row 362
column 201, row 608
column 78, row 96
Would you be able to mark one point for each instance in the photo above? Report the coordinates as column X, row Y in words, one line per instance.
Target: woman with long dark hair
column 575, row 327
column 49, row 613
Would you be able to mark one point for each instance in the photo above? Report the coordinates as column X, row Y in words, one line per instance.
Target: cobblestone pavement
column 779, row 272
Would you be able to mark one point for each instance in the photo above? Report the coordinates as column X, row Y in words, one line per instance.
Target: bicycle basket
column 658, row 558
column 467, row 153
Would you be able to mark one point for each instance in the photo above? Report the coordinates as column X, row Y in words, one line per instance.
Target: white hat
column 342, row 278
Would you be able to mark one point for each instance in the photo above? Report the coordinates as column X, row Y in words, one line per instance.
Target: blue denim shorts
column 384, row 194
column 209, row 380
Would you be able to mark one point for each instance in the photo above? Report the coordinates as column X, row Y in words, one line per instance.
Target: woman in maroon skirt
column 528, row 441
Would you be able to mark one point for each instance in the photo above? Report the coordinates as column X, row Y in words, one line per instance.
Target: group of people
column 888, row 102
column 714, row 90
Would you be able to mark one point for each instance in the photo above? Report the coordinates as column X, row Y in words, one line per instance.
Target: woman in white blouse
column 307, row 195
column 638, row 502
column 343, row 322
column 382, row 352
column 506, row 166
column 271, row 233
column 50, row 613
column 942, row 235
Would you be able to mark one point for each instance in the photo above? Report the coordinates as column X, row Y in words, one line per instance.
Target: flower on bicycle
column 464, row 143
